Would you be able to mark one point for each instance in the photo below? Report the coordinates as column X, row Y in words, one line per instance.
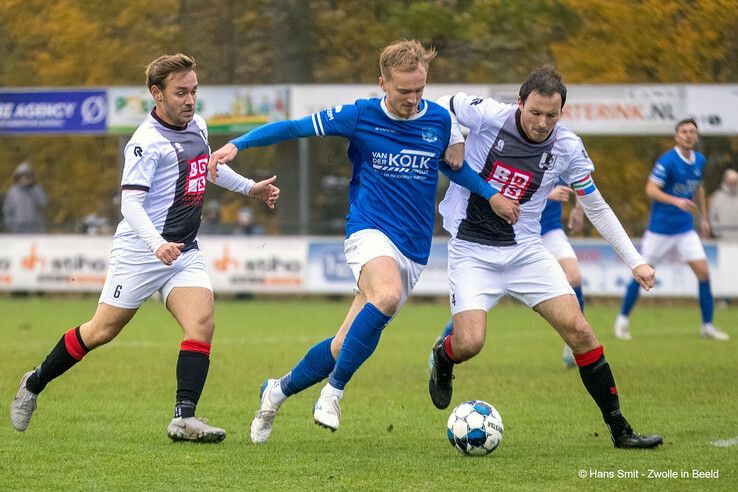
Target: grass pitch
column 102, row 425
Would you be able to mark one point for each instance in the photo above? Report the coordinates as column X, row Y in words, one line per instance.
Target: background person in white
column 524, row 150
column 155, row 247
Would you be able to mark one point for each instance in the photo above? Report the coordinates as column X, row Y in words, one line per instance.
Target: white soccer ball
column 475, row 428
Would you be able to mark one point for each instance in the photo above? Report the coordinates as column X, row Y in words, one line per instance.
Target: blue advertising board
column 79, row 111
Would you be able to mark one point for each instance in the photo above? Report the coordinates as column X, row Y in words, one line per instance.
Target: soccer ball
column 475, row 428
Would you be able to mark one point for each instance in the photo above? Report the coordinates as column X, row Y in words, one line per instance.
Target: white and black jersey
column 523, row 170
column 170, row 163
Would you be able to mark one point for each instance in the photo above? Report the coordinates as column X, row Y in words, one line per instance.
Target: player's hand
column 454, row 155
column 169, row 252
column 576, row 219
column 224, row 154
column 265, row 191
column 645, row 276
column 685, row 204
column 506, row 208
column 560, row 193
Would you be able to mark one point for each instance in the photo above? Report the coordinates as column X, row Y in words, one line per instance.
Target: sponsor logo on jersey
column 384, row 130
column 511, row 182
column 329, row 112
column 429, row 134
column 547, row 162
column 499, row 145
column 475, row 101
column 178, row 148
column 406, row 161
column 194, row 191
column 137, row 151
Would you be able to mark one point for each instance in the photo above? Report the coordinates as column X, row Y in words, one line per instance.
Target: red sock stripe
column 590, row 357
column 195, row 346
column 447, row 346
column 73, row 346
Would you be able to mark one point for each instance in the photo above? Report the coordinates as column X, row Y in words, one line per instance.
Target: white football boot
column 621, row 327
column 327, row 412
column 709, row 331
column 23, row 405
column 194, row 429
column 261, row 426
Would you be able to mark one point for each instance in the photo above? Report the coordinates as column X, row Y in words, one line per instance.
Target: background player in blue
column 396, row 146
column 675, row 188
column 155, row 248
column 556, row 242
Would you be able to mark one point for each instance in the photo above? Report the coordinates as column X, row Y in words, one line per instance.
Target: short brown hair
column 404, row 56
column 160, row 69
column 685, row 121
column 544, row 80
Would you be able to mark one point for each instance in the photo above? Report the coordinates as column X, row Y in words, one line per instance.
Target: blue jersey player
column 675, row 187
column 396, row 144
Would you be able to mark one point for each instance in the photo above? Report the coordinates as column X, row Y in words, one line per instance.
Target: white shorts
column 684, row 247
column 367, row 244
column 558, row 244
column 134, row 275
column 480, row 275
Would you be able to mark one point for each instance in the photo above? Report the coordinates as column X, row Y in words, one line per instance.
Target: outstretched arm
column 466, row 177
column 268, row 134
column 603, row 218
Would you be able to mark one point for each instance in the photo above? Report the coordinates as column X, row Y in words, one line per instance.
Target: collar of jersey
column 165, row 124
column 422, row 108
column 692, row 157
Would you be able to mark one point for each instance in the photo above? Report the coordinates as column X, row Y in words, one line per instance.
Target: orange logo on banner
column 223, row 263
column 33, row 260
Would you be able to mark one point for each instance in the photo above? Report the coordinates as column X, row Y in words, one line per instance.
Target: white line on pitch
column 725, row 443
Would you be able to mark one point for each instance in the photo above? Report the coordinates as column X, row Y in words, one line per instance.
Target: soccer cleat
column 194, row 429
column 709, row 331
column 23, row 405
column 632, row 440
column 568, row 357
column 440, row 382
column 261, row 426
column 327, row 412
column 621, row 328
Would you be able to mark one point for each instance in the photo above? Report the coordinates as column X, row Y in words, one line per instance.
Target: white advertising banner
column 714, row 107
column 317, row 265
column 226, row 109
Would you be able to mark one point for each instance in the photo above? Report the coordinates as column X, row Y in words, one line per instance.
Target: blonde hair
column 160, row 69
column 404, row 56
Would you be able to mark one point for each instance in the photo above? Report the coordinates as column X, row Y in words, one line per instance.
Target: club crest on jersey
column 547, row 162
column 429, row 134
column 499, row 145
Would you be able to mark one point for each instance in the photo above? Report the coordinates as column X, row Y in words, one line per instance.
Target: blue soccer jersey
column 551, row 216
column 678, row 177
column 395, row 166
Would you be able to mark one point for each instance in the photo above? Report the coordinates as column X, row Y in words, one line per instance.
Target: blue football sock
column 313, row 368
column 448, row 329
column 631, row 297
column 361, row 340
column 706, row 302
column 580, row 296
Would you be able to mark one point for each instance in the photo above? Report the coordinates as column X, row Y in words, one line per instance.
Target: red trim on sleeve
column 73, row 346
column 590, row 357
column 195, row 346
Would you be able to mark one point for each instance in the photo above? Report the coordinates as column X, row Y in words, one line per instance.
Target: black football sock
column 192, row 370
column 68, row 351
column 600, row 383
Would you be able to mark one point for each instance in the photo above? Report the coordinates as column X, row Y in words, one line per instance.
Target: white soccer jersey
column 523, row 170
column 170, row 163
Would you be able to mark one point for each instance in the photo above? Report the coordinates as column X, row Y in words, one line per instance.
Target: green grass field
column 102, row 425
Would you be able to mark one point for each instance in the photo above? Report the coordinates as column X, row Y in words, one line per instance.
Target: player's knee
column 468, row 346
column 574, row 279
column 581, row 334
column 388, row 302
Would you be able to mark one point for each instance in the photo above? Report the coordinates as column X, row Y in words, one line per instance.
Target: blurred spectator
column 211, row 219
column 24, row 203
column 724, row 207
column 95, row 224
column 246, row 224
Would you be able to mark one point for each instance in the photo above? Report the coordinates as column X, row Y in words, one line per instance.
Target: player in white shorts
column 675, row 188
column 155, row 248
column 523, row 151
